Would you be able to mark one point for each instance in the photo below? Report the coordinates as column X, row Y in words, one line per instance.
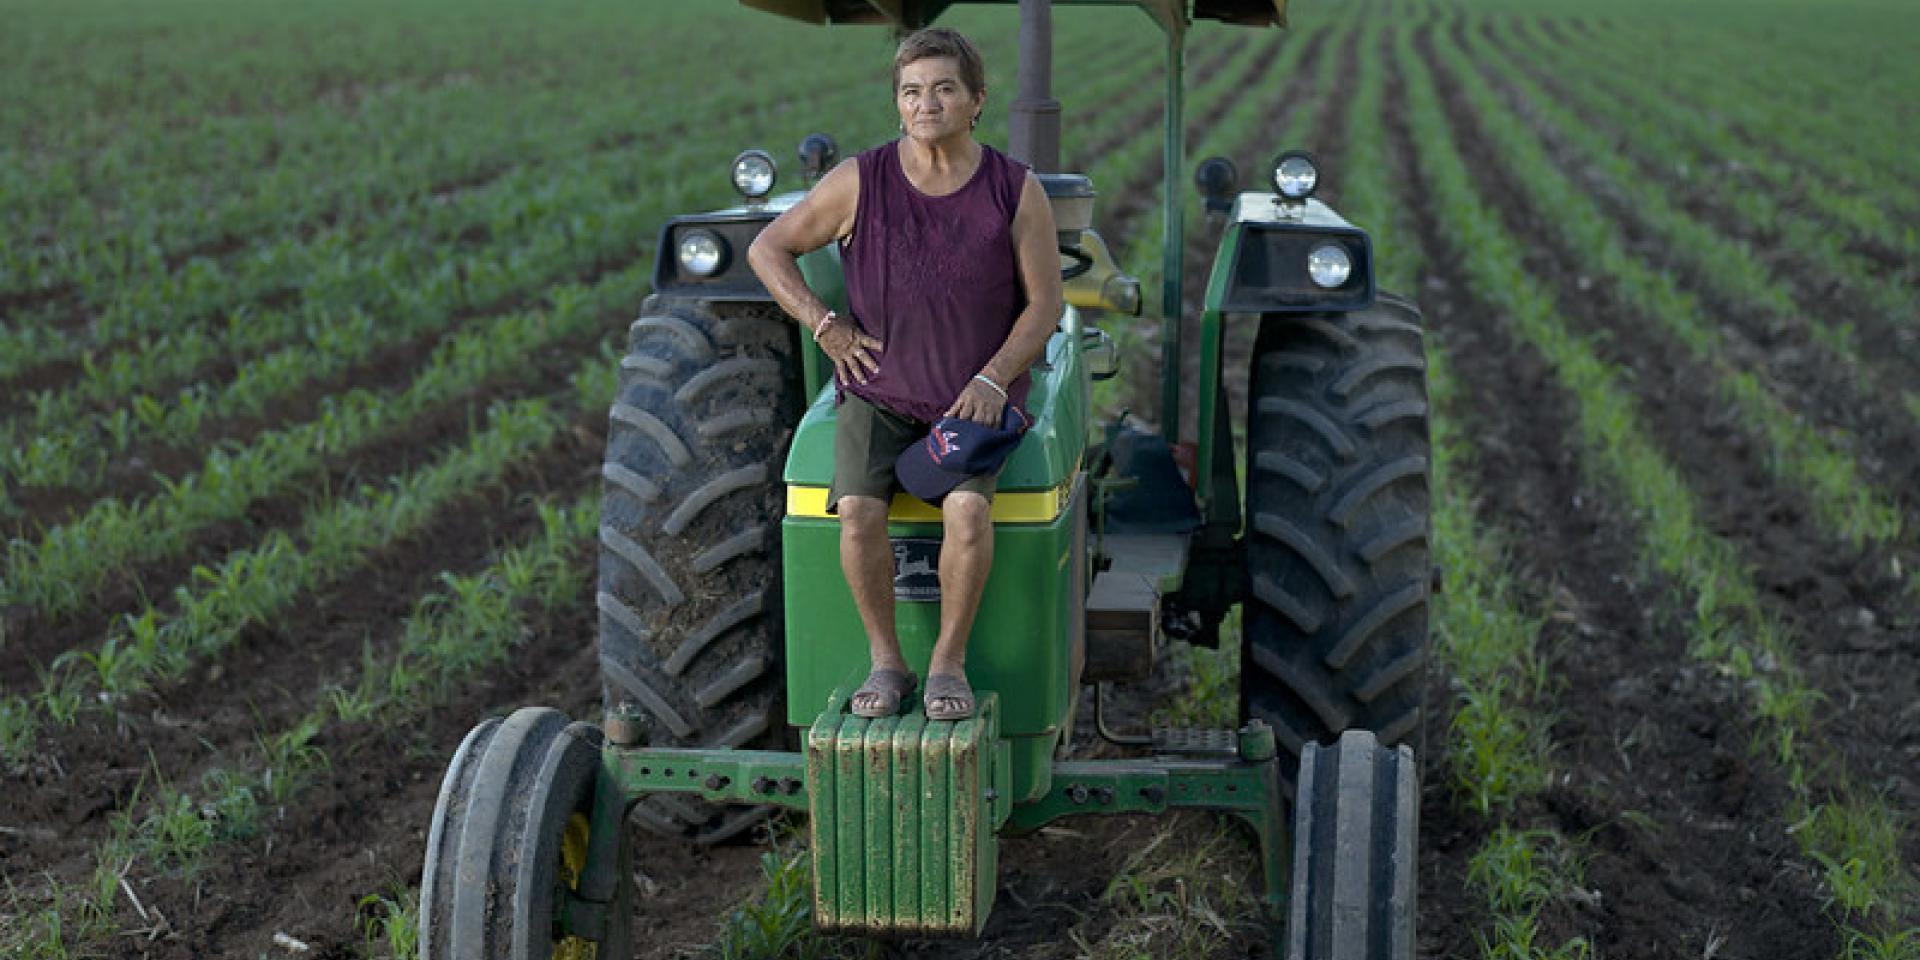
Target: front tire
column 1337, row 528
column 689, row 585
column 1356, row 845
column 508, row 841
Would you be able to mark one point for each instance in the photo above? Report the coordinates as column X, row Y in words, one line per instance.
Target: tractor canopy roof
column 1171, row 15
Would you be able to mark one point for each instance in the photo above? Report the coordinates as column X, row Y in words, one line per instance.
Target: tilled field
column 307, row 333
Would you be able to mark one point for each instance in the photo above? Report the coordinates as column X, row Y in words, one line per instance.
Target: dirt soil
column 1705, row 864
column 1690, row 854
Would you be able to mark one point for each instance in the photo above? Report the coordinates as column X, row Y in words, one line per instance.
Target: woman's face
column 934, row 104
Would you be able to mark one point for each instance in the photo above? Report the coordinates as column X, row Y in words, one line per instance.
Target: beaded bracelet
column 821, row 327
column 996, row 387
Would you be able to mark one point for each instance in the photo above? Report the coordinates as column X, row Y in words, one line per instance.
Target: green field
column 309, row 317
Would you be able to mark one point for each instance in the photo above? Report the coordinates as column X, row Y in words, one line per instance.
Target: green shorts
column 867, row 441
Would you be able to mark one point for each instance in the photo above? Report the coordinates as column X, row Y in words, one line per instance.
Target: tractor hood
column 1171, row 15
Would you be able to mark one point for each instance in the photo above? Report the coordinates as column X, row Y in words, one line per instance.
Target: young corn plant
column 389, row 924
column 776, row 923
column 289, row 759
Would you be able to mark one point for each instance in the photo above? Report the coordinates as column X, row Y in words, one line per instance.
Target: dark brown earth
column 1602, row 635
column 419, row 443
column 1656, row 775
column 1818, row 582
column 1640, row 727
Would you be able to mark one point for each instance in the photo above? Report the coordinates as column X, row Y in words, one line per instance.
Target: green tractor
column 729, row 642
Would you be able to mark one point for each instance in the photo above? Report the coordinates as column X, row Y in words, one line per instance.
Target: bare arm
column 1036, row 250
column 823, row 216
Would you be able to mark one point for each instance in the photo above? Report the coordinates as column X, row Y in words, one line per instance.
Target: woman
column 953, row 280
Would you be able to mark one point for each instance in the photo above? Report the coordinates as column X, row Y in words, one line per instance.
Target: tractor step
column 1196, row 742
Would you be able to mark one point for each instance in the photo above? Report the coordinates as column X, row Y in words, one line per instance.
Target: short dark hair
column 942, row 42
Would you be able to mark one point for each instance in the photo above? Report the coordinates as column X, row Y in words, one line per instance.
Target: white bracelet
column 821, row 327
column 996, row 387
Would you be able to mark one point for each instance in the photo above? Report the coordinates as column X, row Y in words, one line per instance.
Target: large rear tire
column 508, row 840
column 1335, row 633
column 689, row 585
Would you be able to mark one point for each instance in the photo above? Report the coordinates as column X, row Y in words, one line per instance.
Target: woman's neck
column 942, row 158
column 941, row 168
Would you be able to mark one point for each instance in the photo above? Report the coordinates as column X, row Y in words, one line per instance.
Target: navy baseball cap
column 956, row 449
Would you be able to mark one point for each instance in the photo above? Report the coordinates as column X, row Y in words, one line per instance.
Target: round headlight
column 1295, row 175
column 702, row 253
column 1329, row 265
column 753, row 174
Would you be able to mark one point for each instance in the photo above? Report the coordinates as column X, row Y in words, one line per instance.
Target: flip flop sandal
column 888, row 687
column 948, row 687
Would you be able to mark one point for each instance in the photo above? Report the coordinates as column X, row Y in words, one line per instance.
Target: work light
column 1217, row 180
column 753, row 173
column 1329, row 265
column 702, row 253
column 1295, row 175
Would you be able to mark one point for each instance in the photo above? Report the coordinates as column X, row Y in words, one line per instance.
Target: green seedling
column 1891, row 945
column 777, row 923
column 175, row 831
column 389, row 923
column 290, row 758
column 19, row 725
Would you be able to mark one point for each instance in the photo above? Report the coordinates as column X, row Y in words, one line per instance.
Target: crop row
column 593, row 195
column 1665, row 138
column 97, row 71
column 426, row 147
column 1797, row 453
column 155, row 228
column 1786, row 123
column 1772, row 314
column 256, row 585
column 346, row 272
column 60, row 571
column 77, row 455
column 472, row 624
column 579, row 222
column 1841, row 827
column 432, row 148
column 1498, row 744
column 66, row 568
column 407, row 210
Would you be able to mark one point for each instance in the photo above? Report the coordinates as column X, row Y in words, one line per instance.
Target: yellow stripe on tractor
column 1041, row 506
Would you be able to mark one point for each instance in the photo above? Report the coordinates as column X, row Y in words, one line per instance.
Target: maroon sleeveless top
column 935, row 279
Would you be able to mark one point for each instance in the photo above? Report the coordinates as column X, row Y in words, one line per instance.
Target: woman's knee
column 967, row 516
column 861, row 514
